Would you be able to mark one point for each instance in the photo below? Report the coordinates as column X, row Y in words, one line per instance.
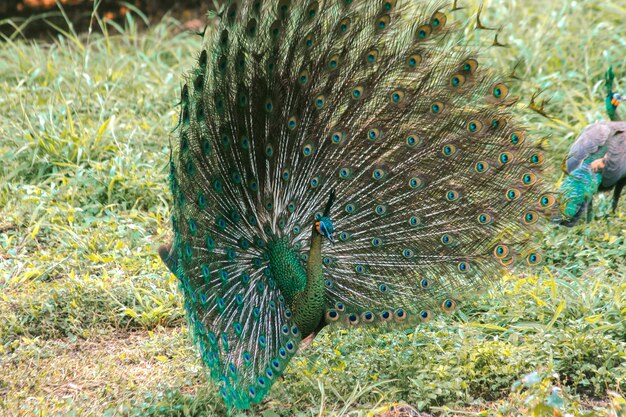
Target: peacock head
column 613, row 100
column 324, row 227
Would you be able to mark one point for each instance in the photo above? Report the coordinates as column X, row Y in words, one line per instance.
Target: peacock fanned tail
column 437, row 185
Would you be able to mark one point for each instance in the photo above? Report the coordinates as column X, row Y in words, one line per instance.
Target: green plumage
column 436, row 184
column 577, row 191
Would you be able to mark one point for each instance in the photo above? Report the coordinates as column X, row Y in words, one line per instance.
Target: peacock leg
column 589, row 209
column 306, row 342
column 617, row 193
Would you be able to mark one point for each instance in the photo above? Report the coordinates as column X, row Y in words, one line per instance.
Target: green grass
column 92, row 324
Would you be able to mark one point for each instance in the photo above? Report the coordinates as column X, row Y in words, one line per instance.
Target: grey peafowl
column 340, row 162
column 596, row 162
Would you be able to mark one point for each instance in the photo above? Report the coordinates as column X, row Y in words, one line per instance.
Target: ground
column 91, row 323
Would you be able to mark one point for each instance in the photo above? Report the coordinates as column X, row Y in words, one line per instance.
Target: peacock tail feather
column 437, row 185
column 576, row 190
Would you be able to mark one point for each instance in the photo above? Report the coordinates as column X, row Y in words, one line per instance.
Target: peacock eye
column 414, row 60
column 500, row 91
column 371, row 56
column 436, row 108
column 357, row 93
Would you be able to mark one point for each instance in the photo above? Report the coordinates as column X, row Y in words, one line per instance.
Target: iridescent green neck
column 303, row 290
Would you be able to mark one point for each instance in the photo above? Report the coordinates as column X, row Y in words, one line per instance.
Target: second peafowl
column 340, row 162
column 602, row 143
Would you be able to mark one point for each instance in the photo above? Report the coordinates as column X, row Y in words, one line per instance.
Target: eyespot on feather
column 534, row 258
column 367, row 317
column 414, row 61
column 423, row 32
column 513, row 194
column 303, row 77
column 383, row 22
column 283, row 7
column 337, row 137
column 529, row 179
column 343, row 26
column 498, row 123
column 469, row 66
column 320, row 101
column 517, row 137
column 501, row 251
column 389, row 5
column 352, row 319
column 530, row 217
column 448, row 150
column 537, row 159
column 500, row 91
column 457, row 80
column 371, row 57
column 438, row 21
column 400, row 315
column 412, row 140
column 374, row 134
column 397, row 97
column 309, row 41
column 505, row 158
column 333, row 62
column 547, row 201
column 474, row 126
column 506, row 261
column 481, row 167
column 357, row 93
column 448, row 306
column 463, row 267
column 312, row 9
column 386, row 315
column 275, row 30
column 484, row 218
column 415, row 183
column 436, row 108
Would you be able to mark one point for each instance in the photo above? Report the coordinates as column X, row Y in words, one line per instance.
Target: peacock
column 340, row 162
column 603, row 144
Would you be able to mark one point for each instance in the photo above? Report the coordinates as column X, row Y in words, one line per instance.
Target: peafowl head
column 324, row 225
column 612, row 102
column 613, row 99
column 576, row 192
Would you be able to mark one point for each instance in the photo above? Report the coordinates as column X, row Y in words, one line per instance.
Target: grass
column 92, row 324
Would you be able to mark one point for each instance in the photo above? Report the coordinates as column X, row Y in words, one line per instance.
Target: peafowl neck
column 303, row 290
column 308, row 307
column 611, row 101
column 612, row 112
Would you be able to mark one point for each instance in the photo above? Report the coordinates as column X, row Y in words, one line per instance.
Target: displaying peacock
column 339, row 162
column 596, row 162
